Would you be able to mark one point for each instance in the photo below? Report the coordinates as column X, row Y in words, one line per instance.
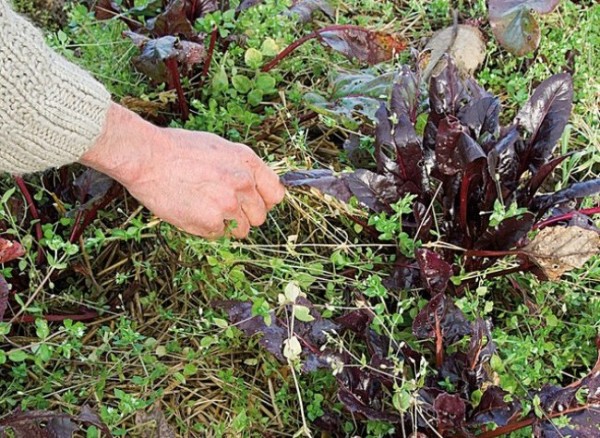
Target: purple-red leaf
column 4, row 294
column 543, row 172
column 435, row 272
column 574, row 191
column 450, row 411
column 321, row 179
column 305, row 9
column 514, row 25
column 481, row 116
column 247, row 4
column 92, row 185
column 373, row 190
column 494, row 409
column 545, row 116
column 173, row 21
column 240, row 315
column 447, row 155
column 446, row 92
column 155, row 53
column 506, row 234
column 356, row 406
column 441, row 314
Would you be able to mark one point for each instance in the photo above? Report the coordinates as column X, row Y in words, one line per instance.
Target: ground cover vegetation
column 432, row 272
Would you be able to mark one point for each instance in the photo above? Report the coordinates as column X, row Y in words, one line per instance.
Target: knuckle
column 229, row 204
column 213, row 224
column 243, row 180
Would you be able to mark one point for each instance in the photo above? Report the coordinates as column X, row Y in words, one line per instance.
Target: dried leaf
column 10, row 250
column 464, row 43
column 153, row 424
column 356, row 42
column 46, row 424
column 561, row 249
column 143, row 106
column 514, row 25
column 292, row 348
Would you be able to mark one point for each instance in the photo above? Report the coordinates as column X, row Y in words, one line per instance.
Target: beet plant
column 456, row 190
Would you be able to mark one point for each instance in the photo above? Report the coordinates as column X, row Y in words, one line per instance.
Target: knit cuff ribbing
column 51, row 111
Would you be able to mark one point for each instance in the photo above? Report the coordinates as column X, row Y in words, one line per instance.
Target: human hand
column 196, row 181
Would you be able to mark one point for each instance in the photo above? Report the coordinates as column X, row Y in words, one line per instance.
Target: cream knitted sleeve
column 51, row 111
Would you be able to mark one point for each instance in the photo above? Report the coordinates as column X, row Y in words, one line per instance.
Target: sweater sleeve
column 51, row 111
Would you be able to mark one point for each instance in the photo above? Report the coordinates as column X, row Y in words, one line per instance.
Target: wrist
column 123, row 146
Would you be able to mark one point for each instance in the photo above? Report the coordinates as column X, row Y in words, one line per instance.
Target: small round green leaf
column 253, row 58
column 17, row 355
column 241, row 83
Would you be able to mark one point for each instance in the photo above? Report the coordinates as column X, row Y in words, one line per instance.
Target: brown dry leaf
column 464, row 43
column 153, row 424
column 366, row 45
column 561, row 249
column 143, row 107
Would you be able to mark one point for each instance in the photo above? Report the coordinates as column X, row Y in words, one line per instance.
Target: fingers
column 268, row 186
column 253, row 206
column 210, row 226
column 232, row 211
column 266, row 181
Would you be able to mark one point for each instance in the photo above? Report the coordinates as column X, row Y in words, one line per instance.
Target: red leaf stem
column 173, row 68
column 566, row 216
column 34, row 214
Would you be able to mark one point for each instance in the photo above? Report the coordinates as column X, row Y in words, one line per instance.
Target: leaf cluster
column 476, row 184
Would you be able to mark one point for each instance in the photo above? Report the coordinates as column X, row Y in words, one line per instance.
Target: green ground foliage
column 142, row 332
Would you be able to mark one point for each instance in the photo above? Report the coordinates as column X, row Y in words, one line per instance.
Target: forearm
column 51, row 112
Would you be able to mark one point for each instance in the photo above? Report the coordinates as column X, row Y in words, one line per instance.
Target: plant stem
column 511, row 427
column 209, row 55
column 289, row 49
column 173, row 68
column 27, row 319
column 34, row 214
column 91, row 214
column 564, row 217
column 486, row 253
